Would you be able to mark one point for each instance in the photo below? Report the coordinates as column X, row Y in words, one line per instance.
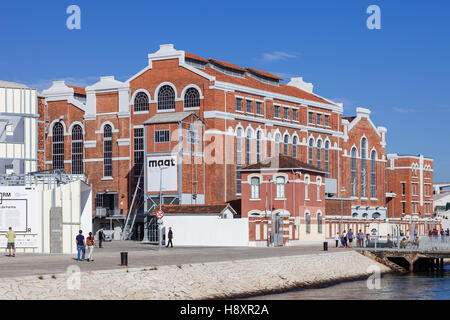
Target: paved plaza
column 141, row 255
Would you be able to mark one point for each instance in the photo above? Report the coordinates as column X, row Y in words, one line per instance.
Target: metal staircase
column 136, row 204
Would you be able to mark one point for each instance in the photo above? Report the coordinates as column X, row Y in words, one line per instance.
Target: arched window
column 281, row 181
column 363, row 167
column 306, row 187
column 255, row 187
column 373, row 174
column 319, row 153
column 353, row 172
column 258, row 146
column 355, row 215
column 238, row 160
column 311, row 151
column 58, row 146
column 308, row 223
column 319, row 222
column 277, row 144
column 327, row 158
column 318, row 184
column 107, row 151
column 365, row 215
column 376, row 215
column 286, row 144
column 77, row 150
column 166, row 98
column 294, row 146
column 141, row 102
column 249, row 148
column 191, row 98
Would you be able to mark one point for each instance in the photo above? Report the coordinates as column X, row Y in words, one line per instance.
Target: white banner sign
column 165, row 166
column 18, row 209
column 20, row 242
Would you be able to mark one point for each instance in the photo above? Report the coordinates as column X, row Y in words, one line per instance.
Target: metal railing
column 405, row 243
column 56, row 176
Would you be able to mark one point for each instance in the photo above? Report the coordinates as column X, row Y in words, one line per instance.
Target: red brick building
column 283, row 197
column 410, row 178
column 217, row 115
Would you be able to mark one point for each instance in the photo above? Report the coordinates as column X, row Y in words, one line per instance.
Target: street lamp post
column 160, row 204
column 342, row 210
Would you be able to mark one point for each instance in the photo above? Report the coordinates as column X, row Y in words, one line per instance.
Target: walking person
column 336, row 237
column 350, row 237
column 360, row 238
column 11, row 235
column 81, row 245
column 101, row 237
column 170, row 236
column 90, row 242
column 344, row 239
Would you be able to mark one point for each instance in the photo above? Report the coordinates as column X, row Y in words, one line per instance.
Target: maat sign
column 165, row 166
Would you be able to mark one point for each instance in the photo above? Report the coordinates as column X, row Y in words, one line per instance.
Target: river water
column 423, row 286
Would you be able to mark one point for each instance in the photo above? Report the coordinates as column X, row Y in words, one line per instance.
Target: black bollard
column 124, row 258
column 325, row 246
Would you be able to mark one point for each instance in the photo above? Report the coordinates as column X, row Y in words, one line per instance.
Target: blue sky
column 401, row 72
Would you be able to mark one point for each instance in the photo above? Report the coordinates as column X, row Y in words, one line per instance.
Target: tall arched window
column 318, row 185
column 141, row 102
column 353, row 172
column 319, row 153
column 166, row 98
column 107, row 151
column 294, row 146
column 249, row 148
column 373, row 174
column 308, row 223
column 238, row 160
column 258, row 146
column 77, row 150
column 319, row 222
column 191, row 98
column 280, row 181
column 255, row 183
column 306, row 187
column 327, row 158
column 363, row 167
column 58, row 146
column 311, row 151
column 277, row 144
column 286, row 144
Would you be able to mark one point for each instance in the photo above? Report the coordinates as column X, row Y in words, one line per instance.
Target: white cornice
column 235, row 87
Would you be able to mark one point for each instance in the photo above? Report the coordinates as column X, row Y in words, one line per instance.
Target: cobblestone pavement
column 140, row 255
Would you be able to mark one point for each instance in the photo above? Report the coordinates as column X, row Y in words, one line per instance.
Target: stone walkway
column 213, row 280
column 140, row 255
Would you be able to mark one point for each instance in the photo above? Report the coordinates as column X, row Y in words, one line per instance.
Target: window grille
column 107, row 151
column 162, row 136
column 191, row 98
column 141, row 102
column 58, row 146
column 166, row 98
column 77, row 150
column 238, row 104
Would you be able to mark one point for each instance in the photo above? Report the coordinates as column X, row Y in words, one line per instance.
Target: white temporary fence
column 207, row 231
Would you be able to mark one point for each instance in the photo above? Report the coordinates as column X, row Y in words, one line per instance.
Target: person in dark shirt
column 81, row 245
column 170, row 236
column 101, row 237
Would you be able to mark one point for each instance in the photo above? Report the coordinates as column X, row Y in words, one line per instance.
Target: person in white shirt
column 336, row 237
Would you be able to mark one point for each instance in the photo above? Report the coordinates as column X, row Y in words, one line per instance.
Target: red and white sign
column 159, row 214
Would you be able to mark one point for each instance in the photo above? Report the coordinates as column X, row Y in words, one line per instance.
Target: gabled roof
column 196, row 209
column 170, row 117
column 281, row 162
column 77, row 90
column 264, row 73
column 227, row 65
column 194, row 57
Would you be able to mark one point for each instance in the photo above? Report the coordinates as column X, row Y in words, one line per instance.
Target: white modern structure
column 18, row 128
